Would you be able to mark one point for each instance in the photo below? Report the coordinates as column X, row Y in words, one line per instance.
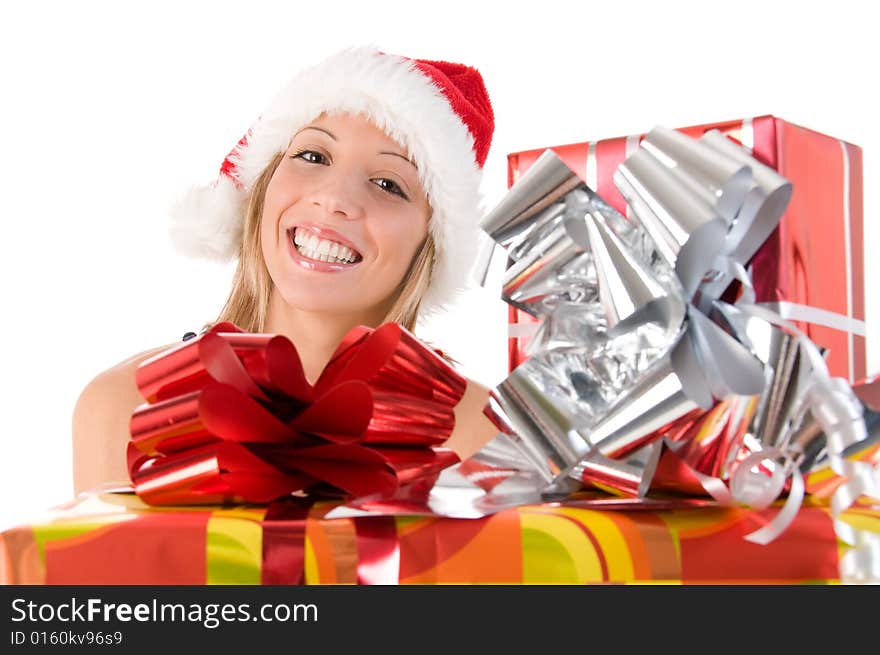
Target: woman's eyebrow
column 397, row 154
column 320, row 129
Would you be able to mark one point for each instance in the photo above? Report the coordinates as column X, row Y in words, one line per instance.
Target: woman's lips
column 315, row 264
column 324, row 233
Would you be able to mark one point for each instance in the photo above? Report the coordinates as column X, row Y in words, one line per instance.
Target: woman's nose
column 338, row 196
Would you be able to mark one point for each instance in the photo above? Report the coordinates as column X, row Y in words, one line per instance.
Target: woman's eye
column 310, row 156
column 390, row 186
column 313, row 157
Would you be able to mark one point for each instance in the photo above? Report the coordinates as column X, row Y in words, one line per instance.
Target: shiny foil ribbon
column 230, row 417
column 652, row 367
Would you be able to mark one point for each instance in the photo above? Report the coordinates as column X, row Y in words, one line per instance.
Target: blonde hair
column 248, row 300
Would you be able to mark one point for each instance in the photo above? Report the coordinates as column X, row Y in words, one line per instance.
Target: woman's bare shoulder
column 472, row 428
column 100, row 423
column 475, row 396
column 117, row 378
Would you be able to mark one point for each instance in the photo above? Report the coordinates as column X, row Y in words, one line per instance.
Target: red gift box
column 115, row 538
column 815, row 257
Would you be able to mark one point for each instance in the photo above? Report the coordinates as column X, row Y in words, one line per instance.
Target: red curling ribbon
column 230, row 417
column 417, row 476
column 414, row 390
column 710, row 442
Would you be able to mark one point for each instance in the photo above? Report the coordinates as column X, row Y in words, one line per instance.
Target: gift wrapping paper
column 115, row 538
column 815, row 257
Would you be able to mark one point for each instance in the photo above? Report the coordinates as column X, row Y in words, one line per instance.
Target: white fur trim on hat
column 400, row 100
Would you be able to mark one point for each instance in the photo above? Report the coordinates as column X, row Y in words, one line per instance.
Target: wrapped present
column 814, row 257
column 654, row 365
column 116, row 538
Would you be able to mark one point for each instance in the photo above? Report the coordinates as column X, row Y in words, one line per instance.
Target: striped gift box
column 114, row 538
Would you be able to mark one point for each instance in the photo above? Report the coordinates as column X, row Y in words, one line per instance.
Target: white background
column 109, row 110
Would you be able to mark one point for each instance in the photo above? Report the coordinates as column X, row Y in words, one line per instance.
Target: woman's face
column 343, row 217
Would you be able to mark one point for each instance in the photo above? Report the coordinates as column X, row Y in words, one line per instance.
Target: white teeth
column 322, row 249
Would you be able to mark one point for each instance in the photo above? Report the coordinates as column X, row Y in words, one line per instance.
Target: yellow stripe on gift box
column 861, row 518
column 569, row 546
column 234, row 544
column 556, row 551
column 612, row 541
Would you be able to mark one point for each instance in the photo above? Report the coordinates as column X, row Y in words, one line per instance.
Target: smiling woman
column 343, row 218
column 353, row 200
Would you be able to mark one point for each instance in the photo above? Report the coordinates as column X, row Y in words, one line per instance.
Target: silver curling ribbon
column 833, row 403
column 809, row 440
column 631, row 475
column 569, row 326
column 728, row 366
column 807, row 443
column 840, row 413
column 705, row 362
column 672, row 387
column 722, row 181
column 493, row 479
column 541, row 224
column 496, row 478
column 629, row 292
column 778, row 410
column 541, row 420
column 688, row 232
column 534, row 196
column 786, row 373
column 553, row 270
column 486, row 249
column 584, row 365
column 553, row 262
column 763, row 206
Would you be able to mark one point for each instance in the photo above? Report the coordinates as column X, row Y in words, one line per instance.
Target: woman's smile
column 322, row 249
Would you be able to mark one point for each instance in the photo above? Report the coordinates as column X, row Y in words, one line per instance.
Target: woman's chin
column 328, row 302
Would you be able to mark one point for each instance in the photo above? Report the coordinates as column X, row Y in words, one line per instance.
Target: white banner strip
column 795, row 312
column 632, row 144
column 747, row 135
column 848, row 244
column 592, row 169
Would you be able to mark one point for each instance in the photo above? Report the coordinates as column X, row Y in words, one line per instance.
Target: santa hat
column 438, row 111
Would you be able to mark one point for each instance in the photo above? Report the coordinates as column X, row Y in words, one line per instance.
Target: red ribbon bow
column 230, row 417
